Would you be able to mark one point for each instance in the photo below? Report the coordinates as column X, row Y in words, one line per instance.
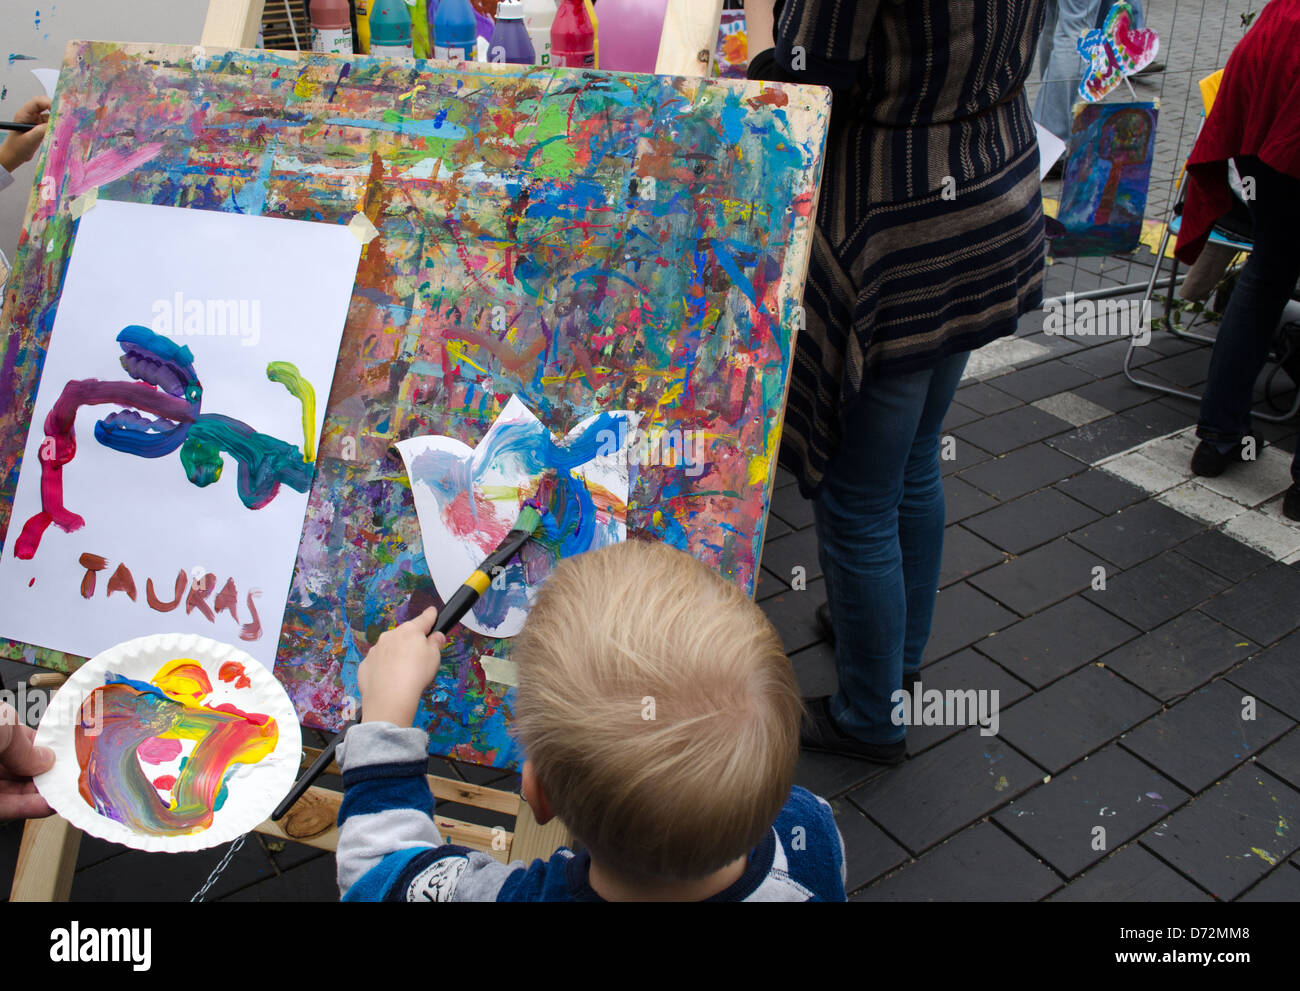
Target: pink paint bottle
column 331, row 27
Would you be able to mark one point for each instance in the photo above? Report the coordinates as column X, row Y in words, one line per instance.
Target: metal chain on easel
column 216, row 871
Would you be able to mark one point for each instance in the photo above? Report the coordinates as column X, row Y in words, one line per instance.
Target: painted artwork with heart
column 1113, row 51
column 467, row 499
column 169, row 743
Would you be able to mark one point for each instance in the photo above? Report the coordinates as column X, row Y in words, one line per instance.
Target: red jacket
column 1257, row 112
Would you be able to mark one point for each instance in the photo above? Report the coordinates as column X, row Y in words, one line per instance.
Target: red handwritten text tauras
column 194, row 587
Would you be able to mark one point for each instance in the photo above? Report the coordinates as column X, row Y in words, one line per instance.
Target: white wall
column 61, row 21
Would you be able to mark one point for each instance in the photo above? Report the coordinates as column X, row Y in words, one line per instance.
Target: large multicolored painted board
column 585, row 241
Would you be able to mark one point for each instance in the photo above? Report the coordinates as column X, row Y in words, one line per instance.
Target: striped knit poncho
column 929, row 235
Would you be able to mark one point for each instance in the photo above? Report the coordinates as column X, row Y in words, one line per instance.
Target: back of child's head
column 659, row 711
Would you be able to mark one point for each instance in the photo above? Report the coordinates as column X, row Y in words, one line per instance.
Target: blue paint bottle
column 455, row 31
column 510, row 41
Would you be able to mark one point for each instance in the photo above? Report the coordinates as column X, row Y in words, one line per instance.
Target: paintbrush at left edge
column 461, row 602
column 13, row 125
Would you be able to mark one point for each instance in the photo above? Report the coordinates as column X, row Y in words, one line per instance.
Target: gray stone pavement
column 1148, row 746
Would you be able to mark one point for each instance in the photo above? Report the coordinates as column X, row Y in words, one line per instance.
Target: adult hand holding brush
column 20, row 146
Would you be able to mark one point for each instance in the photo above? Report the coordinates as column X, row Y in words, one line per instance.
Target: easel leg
column 47, row 859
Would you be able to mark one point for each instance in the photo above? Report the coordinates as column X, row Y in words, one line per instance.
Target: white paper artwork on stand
column 174, row 434
column 467, row 499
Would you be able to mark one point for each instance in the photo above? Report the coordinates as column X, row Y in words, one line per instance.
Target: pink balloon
column 629, row 33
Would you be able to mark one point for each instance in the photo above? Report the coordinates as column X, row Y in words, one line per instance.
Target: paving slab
column 982, row 864
column 1072, row 408
column 1203, row 737
column 793, row 508
column 1283, row 758
column 1089, row 809
column 961, row 499
column 1271, row 676
column 986, row 399
column 1113, row 392
column 795, row 550
column 962, row 616
column 963, row 671
column 1040, row 578
column 868, row 852
column 945, row 789
column 1229, row 837
column 965, row 554
column 313, row 881
column 829, row 775
column 794, row 615
column 1282, row 884
column 1014, row 428
column 1157, row 590
column 1038, row 381
column 136, row 876
column 964, row 455
column 1100, row 439
column 1023, row 470
column 1074, row 716
column 1103, row 492
column 1131, row 875
column 1135, row 534
column 1180, row 656
column 1056, row 641
column 1031, row 520
column 1263, row 607
column 814, row 669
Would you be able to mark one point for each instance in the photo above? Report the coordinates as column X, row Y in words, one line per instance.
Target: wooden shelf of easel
column 48, row 855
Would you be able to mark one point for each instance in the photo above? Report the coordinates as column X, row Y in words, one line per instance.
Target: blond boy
column 661, row 722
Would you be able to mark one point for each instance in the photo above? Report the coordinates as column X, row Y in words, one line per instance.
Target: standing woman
column 929, row 244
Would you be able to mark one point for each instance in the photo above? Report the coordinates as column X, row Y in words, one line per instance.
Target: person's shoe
column 1150, row 69
column 1291, row 503
column 1209, row 462
column 820, row 732
column 824, row 625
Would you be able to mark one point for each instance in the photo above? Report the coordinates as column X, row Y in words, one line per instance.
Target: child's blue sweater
column 390, row 850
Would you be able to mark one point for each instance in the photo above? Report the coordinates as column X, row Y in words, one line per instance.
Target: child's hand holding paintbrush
column 397, row 670
column 404, row 661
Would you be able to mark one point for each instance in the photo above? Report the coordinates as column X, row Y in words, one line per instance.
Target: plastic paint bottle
column 510, row 41
column 628, row 34
column 539, row 15
column 363, row 26
column 455, row 31
column 390, row 29
column 573, row 39
column 421, row 29
column 595, row 31
column 331, row 27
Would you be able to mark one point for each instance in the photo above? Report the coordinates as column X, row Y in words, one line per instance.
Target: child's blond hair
column 659, row 710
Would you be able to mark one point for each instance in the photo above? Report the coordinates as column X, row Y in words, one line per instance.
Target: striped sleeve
column 387, row 811
column 824, row 42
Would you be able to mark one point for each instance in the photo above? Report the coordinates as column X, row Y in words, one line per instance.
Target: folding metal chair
column 1232, row 232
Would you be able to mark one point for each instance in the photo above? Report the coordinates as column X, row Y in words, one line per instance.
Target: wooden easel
column 47, row 857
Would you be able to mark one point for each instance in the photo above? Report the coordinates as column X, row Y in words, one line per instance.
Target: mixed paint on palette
column 590, row 243
column 158, row 760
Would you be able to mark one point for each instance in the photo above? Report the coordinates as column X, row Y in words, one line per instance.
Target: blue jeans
column 1254, row 309
column 880, row 516
column 1060, row 65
